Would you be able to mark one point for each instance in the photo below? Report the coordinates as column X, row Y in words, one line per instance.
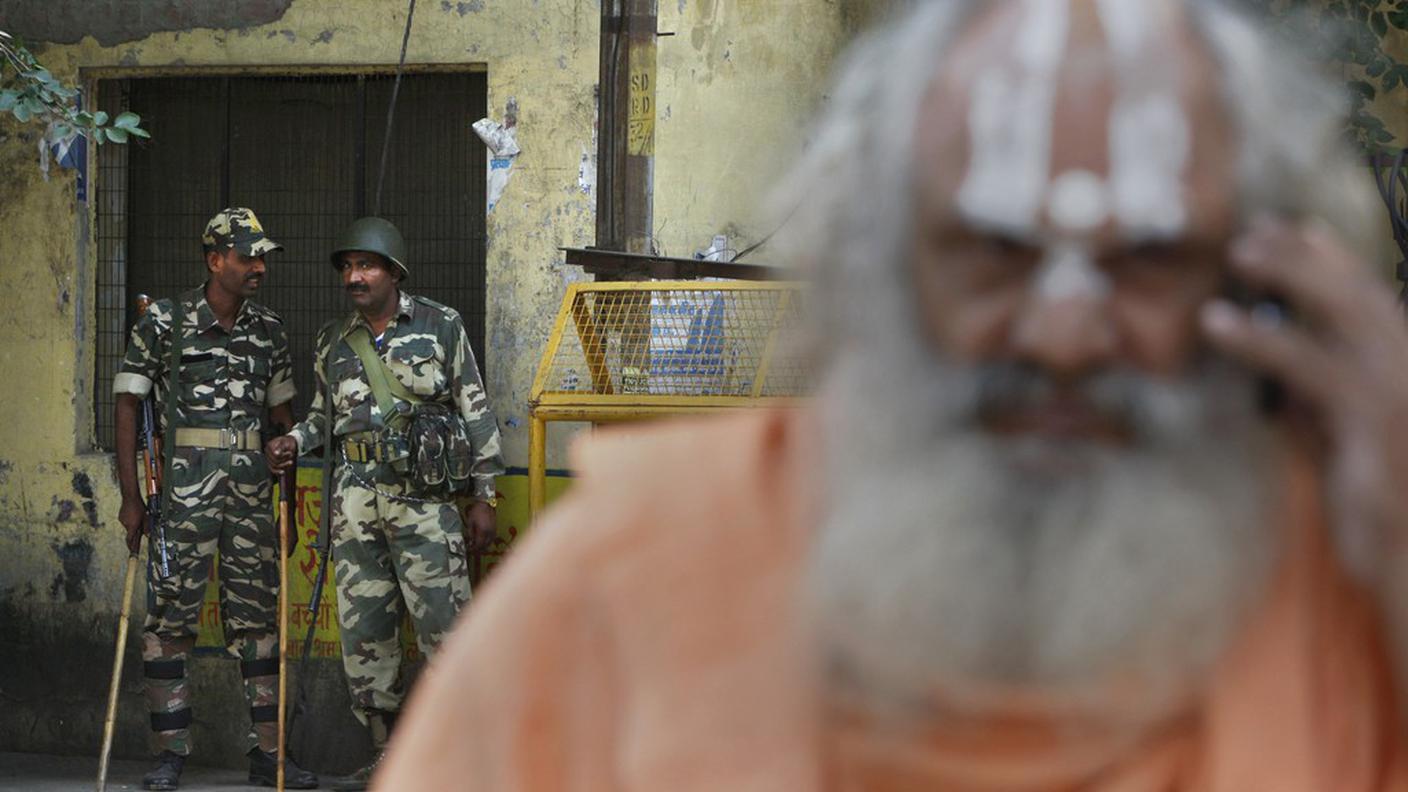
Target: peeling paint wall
column 737, row 83
column 737, row 80
column 113, row 21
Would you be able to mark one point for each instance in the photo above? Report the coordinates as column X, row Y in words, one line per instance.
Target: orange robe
column 646, row 637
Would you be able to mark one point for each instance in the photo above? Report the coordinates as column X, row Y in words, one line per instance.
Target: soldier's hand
column 483, row 525
column 132, row 516
column 280, row 453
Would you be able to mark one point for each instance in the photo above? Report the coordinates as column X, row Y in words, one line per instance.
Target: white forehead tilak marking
column 1150, row 135
column 1068, row 272
column 1078, row 202
column 1078, row 206
column 1009, row 124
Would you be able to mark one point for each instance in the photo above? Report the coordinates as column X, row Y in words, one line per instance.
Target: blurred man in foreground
column 1045, row 526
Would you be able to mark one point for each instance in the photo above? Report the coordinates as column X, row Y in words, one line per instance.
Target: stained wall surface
column 736, row 81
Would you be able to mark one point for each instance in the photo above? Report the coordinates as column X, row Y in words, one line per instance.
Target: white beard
column 953, row 563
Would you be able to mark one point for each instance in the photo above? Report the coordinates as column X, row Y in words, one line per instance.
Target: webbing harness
column 383, row 382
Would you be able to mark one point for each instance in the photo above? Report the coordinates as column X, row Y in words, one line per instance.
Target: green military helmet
column 373, row 235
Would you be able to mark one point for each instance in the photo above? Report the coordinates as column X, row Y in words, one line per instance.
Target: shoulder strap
column 329, row 457
column 384, row 383
column 173, row 395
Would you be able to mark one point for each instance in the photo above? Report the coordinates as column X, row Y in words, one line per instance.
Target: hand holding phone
column 1345, row 358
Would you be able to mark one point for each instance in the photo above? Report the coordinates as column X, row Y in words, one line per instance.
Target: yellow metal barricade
column 627, row 351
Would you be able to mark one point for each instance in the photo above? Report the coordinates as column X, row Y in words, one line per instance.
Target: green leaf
column 139, row 132
column 127, row 120
column 116, row 135
column 99, row 118
column 8, row 99
column 1361, row 88
column 21, row 112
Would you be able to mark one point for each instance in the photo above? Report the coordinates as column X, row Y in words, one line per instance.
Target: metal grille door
column 302, row 152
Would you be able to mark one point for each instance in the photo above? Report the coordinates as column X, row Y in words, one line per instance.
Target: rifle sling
column 325, row 519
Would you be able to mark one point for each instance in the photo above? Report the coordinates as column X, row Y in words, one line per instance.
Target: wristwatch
column 492, row 500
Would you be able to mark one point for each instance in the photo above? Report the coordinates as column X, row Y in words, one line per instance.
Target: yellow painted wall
column 736, row 80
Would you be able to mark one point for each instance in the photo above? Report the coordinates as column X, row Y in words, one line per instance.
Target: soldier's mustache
column 357, row 288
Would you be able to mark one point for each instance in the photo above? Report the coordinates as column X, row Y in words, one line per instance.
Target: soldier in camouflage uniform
column 234, row 370
column 396, row 547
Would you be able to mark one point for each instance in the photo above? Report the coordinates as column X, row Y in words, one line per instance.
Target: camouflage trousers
column 220, row 503
column 392, row 557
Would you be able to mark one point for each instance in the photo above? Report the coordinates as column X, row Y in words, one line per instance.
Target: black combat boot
column 380, row 725
column 167, row 774
column 264, row 771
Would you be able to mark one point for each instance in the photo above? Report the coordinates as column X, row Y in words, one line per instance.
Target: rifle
column 151, row 461
column 301, row 705
column 324, row 550
column 286, row 503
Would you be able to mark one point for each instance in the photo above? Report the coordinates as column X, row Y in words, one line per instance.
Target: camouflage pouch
column 441, row 455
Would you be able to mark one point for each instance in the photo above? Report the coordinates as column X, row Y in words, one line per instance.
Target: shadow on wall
column 55, row 686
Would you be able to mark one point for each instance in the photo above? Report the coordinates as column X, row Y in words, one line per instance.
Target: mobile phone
column 1263, row 306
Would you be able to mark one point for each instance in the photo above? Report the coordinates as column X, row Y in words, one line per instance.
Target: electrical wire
column 765, row 239
column 391, row 108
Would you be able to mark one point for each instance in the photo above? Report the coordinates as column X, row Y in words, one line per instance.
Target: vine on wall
column 1354, row 35
column 31, row 94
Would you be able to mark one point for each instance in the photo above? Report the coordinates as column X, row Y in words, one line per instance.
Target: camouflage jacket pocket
column 201, row 381
column 418, row 370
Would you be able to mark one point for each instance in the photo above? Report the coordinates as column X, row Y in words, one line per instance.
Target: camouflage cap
column 238, row 228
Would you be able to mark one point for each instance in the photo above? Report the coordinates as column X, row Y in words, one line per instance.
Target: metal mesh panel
column 293, row 143
column 434, row 193
column 113, row 313
column 651, row 340
column 302, row 151
column 174, row 183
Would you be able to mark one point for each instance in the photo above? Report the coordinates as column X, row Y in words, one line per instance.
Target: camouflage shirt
column 426, row 347
column 228, row 379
